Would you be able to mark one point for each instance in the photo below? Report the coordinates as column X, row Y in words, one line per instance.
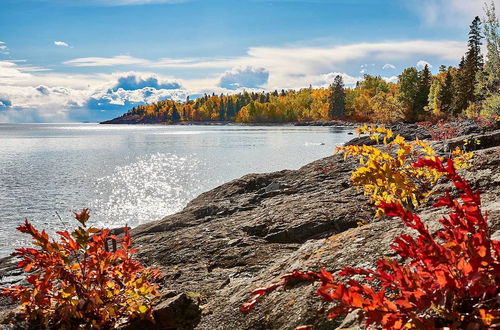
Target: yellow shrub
column 388, row 175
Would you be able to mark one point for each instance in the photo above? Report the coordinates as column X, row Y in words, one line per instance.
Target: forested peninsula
column 470, row 90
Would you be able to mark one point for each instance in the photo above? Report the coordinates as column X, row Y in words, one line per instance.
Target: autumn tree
column 386, row 108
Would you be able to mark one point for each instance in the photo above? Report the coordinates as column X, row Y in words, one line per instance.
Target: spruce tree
column 337, row 98
column 445, row 97
column 422, row 97
column 460, row 86
column 175, row 114
column 473, row 62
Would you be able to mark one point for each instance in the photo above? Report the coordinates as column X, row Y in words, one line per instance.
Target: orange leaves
column 78, row 283
column 82, row 217
column 449, row 279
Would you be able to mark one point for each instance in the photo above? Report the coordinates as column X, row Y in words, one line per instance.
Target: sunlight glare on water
column 150, row 188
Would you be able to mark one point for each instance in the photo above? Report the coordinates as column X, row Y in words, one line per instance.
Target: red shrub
column 451, row 278
column 440, row 131
column 78, row 283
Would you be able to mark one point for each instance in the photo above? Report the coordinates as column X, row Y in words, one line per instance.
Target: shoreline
column 332, row 123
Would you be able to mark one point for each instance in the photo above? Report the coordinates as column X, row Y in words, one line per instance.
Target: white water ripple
column 152, row 187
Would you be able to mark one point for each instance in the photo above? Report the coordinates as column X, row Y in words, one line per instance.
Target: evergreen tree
column 231, row 113
column 337, row 98
column 460, row 86
column 473, row 61
column 422, row 97
column 445, row 97
column 409, row 84
column 175, row 114
column 222, row 109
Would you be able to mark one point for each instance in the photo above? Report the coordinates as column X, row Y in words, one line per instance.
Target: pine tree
column 473, row 60
column 460, row 84
column 445, row 97
column 337, row 98
column 175, row 114
column 422, row 97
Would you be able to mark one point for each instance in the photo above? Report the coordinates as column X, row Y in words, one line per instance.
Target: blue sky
column 70, row 60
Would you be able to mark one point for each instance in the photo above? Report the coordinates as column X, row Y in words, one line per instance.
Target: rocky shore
column 133, row 120
column 248, row 232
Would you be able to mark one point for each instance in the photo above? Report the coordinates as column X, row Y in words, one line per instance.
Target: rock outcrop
column 246, row 233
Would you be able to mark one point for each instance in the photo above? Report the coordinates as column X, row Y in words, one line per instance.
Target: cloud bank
column 35, row 93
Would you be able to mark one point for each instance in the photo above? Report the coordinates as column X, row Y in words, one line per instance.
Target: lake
column 132, row 174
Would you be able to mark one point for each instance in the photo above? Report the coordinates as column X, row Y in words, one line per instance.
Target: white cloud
column 4, row 49
column 133, row 81
column 241, row 77
column 421, row 64
column 61, row 44
column 388, row 66
column 392, row 79
column 107, row 61
column 448, row 12
column 305, row 57
column 328, row 79
column 27, row 95
column 291, row 67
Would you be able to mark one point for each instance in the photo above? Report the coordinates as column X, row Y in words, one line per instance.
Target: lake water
column 135, row 174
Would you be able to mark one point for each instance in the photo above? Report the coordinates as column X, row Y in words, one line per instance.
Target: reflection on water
column 149, row 188
column 134, row 174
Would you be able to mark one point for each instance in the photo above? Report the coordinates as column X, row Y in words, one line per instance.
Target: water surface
column 132, row 174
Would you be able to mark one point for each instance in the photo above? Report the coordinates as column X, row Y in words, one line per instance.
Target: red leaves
column 451, row 278
column 82, row 217
column 441, row 131
column 77, row 282
column 285, row 281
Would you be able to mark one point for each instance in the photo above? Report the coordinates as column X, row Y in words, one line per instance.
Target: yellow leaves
column 389, row 175
column 75, row 267
column 67, row 292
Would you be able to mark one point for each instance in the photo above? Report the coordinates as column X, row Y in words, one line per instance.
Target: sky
column 92, row 60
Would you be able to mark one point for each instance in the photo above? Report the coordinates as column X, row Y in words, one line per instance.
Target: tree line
column 471, row 89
